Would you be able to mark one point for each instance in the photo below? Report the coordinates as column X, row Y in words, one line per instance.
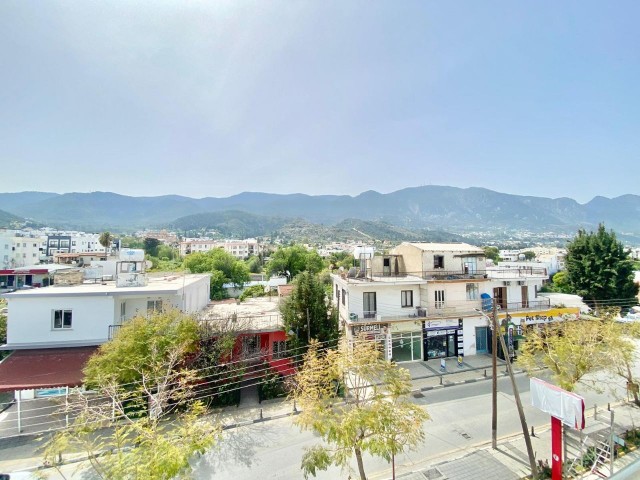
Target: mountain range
column 411, row 209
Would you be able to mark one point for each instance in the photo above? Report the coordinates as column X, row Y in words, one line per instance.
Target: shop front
column 406, row 342
column 379, row 332
column 443, row 338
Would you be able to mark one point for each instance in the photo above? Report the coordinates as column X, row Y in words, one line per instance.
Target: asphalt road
column 460, row 422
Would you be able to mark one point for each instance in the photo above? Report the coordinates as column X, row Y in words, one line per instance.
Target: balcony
column 441, row 274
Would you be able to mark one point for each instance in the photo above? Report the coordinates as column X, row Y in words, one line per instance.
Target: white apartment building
column 238, row 248
column 425, row 301
column 65, row 319
column 73, row 242
column 20, row 249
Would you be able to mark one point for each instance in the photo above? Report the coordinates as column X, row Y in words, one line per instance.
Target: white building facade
column 238, row 248
column 427, row 301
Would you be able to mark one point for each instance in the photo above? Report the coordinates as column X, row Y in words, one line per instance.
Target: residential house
column 75, row 314
column 425, row 301
column 238, row 248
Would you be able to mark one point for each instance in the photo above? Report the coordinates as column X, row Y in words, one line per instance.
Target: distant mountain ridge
column 428, row 207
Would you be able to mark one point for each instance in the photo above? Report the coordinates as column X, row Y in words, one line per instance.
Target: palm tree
column 105, row 240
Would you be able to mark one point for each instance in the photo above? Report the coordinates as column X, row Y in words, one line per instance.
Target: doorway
column 500, row 296
column 481, row 340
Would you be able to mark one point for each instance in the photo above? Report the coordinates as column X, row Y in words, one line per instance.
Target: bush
column 252, row 292
column 272, row 386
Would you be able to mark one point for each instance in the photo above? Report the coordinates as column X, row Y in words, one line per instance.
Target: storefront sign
column 369, row 328
column 444, row 323
column 544, row 316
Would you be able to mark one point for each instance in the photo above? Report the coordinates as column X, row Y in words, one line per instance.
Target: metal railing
column 113, row 329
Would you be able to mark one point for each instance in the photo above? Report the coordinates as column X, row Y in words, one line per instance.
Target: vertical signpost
column 565, row 408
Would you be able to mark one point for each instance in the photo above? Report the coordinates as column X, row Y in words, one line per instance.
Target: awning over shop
column 44, row 368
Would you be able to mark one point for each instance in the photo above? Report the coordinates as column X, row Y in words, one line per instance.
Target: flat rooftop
column 157, row 284
column 252, row 315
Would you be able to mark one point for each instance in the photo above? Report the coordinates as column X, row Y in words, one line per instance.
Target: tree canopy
column 599, row 268
column 144, row 422
column 377, row 416
column 105, row 240
column 223, row 266
column 138, row 341
column 492, row 253
column 294, row 259
column 308, row 298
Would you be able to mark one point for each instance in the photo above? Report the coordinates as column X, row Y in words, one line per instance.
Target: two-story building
column 75, row 314
column 426, row 301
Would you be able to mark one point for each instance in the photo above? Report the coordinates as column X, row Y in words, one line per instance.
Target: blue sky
column 321, row 97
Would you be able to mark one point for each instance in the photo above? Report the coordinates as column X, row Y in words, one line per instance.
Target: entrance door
column 500, row 296
column 481, row 340
column 525, row 296
column 452, row 345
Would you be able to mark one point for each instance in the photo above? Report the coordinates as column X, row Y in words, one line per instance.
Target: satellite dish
column 341, row 269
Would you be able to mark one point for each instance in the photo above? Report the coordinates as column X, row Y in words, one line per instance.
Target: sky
column 220, row 97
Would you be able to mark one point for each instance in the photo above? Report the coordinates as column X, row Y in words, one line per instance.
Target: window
column 53, row 243
column 123, row 310
column 61, row 319
column 154, row 306
column 64, row 243
column 406, row 298
column 344, row 295
column 280, row 349
column 369, row 304
column 439, row 297
column 337, row 292
column 438, row 261
column 472, row 291
column 251, row 345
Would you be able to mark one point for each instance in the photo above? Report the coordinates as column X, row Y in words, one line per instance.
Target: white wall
column 388, row 299
column 469, row 325
column 31, row 319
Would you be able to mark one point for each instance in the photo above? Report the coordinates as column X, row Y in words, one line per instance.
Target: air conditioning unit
column 521, row 282
column 422, row 312
column 506, row 283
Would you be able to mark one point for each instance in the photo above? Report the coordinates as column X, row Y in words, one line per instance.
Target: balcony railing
column 470, row 308
column 113, row 329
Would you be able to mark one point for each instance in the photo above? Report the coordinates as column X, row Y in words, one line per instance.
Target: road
column 460, row 421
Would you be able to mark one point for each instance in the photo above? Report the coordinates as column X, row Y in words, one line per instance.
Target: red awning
column 44, row 368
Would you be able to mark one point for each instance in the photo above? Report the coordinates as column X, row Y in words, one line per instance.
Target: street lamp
column 516, row 393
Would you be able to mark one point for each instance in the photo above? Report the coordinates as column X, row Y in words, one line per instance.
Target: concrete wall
column 31, row 319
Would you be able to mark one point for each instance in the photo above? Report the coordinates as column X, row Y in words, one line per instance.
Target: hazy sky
column 321, row 97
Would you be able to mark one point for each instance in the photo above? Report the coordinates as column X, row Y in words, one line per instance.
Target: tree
column 126, row 357
column 150, row 426
column 529, row 255
column 105, row 240
column 223, row 266
column 294, row 259
column 599, row 268
column 375, row 416
column 307, row 306
column 151, row 246
column 561, row 282
column 254, row 264
column 492, row 253
column 570, row 349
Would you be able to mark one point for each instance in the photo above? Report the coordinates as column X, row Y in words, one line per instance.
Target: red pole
column 556, row 449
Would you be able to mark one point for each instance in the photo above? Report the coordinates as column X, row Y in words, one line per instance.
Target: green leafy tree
column 561, row 282
column 151, row 246
column 223, row 266
column 105, row 240
column 529, row 255
column 254, row 264
column 140, row 340
column 492, row 253
column 294, row 259
column 150, row 427
column 376, row 418
column 341, row 259
column 307, row 306
column 599, row 268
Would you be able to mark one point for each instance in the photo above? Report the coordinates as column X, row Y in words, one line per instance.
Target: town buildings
column 238, row 248
column 425, row 301
column 78, row 314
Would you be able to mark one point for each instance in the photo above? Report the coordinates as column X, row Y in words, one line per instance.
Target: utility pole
column 494, row 371
column 523, row 420
column 308, row 327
